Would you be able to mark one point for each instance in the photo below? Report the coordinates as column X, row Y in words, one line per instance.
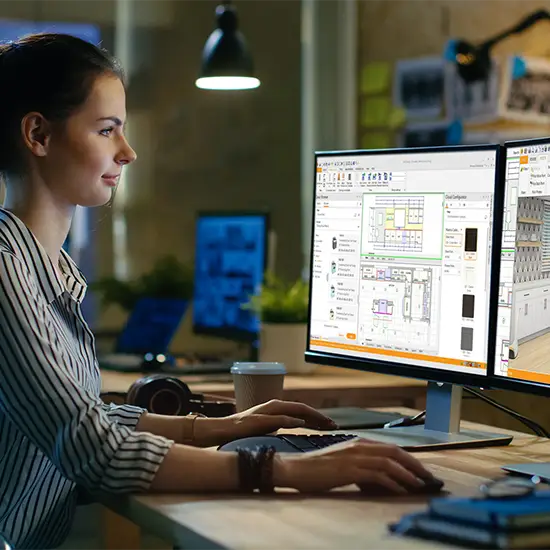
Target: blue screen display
column 11, row 30
column 151, row 325
column 229, row 267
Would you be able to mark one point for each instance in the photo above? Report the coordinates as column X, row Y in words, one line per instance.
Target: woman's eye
column 106, row 131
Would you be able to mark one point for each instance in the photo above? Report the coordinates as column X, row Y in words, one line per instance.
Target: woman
column 62, row 144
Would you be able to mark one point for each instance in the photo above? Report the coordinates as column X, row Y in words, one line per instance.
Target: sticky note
column 377, row 140
column 519, row 67
column 455, row 132
column 375, row 78
column 449, row 54
column 375, row 112
column 397, row 117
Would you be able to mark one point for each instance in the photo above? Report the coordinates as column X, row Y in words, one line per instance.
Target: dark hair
column 49, row 73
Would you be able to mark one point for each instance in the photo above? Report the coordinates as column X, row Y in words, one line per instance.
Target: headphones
column 164, row 394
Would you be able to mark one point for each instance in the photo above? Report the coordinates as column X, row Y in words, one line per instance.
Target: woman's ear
column 36, row 130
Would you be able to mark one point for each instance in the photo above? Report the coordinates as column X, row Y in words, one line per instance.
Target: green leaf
column 169, row 278
column 281, row 302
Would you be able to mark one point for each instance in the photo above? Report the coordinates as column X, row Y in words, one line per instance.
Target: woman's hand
column 367, row 464
column 260, row 420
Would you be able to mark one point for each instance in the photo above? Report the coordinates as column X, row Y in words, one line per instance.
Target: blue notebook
column 511, row 514
column 432, row 527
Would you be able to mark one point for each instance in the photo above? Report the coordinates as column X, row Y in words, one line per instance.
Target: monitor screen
column 11, row 30
column 230, row 259
column 524, row 288
column 401, row 259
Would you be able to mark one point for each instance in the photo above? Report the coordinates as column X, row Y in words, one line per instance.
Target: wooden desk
column 326, row 387
column 340, row 519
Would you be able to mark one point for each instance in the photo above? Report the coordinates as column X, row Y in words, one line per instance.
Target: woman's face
column 86, row 155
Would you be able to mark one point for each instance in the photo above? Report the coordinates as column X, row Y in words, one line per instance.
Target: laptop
column 145, row 339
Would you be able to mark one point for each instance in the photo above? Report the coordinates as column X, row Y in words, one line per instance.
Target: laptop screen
column 151, row 326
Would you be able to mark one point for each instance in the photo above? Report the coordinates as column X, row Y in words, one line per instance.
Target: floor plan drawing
column 396, row 222
column 402, row 225
column 396, row 305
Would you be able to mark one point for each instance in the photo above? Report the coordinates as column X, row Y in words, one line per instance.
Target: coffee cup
column 257, row 383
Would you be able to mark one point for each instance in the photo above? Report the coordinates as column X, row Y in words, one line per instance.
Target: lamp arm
column 523, row 25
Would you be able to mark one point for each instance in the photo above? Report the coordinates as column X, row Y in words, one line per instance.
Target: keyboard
column 288, row 443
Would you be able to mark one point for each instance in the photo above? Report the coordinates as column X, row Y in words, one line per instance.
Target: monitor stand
column 442, row 426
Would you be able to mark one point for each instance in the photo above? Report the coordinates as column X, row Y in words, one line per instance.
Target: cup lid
column 258, row 368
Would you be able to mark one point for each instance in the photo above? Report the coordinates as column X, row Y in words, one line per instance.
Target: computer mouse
column 432, row 486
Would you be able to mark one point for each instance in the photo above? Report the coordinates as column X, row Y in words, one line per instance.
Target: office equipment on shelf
column 404, row 235
column 522, row 361
column 231, row 253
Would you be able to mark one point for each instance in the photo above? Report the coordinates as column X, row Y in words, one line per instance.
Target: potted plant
column 169, row 278
column 283, row 309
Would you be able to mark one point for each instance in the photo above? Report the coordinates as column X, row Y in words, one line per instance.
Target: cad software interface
column 401, row 257
column 524, row 292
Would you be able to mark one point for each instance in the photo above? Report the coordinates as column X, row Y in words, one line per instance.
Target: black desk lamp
column 474, row 62
column 226, row 60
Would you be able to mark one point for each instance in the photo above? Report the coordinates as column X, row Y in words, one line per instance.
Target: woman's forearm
column 188, row 469
column 206, row 431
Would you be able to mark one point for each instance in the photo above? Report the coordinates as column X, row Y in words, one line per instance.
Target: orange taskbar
column 528, row 376
column 399, row 354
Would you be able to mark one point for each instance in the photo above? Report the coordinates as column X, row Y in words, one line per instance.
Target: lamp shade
column 226, row 60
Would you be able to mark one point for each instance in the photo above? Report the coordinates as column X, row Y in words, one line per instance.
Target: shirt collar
column 40, row 264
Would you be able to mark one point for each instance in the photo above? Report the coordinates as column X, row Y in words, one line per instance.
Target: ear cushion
column 160, row 394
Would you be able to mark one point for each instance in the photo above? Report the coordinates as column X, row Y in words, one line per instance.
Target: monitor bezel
column 230, row 334
column 497, row 381
column 414, row 371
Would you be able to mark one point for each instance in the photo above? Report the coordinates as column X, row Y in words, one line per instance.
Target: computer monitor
column 401, row 274
column 230, row 260
column 522, row 361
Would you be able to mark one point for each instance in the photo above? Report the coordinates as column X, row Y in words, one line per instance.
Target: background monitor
column 230, row 260
column 405, row 237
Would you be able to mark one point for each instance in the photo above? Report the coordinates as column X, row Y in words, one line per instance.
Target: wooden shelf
column 532, row 221
column 529, row 243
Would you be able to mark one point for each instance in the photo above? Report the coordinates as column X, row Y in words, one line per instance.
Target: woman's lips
column 111, row 180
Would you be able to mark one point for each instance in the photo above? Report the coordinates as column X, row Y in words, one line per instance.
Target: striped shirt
column 55, row 432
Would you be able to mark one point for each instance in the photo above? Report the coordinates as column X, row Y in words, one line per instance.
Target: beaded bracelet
column 265, row 460
column 256, row 470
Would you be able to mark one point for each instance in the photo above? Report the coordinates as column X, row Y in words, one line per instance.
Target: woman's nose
column 127, row 154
